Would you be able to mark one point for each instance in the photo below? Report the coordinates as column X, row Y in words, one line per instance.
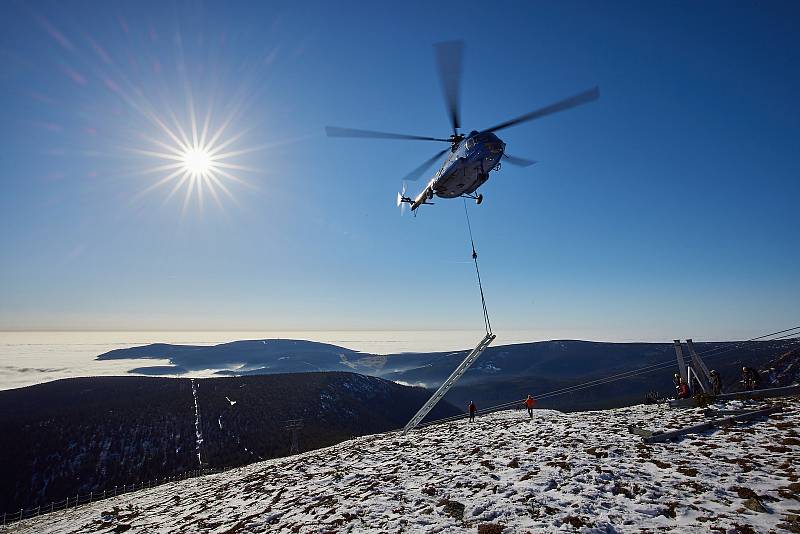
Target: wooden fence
column 93, row 496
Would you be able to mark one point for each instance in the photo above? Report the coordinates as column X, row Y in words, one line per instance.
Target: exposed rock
column 429, row 490
column 755, row 505
column 453, row 508
column 575, row 521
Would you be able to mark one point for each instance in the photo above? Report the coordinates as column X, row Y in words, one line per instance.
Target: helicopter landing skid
column 477, row 198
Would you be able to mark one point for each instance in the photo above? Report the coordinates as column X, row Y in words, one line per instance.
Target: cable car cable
column 661, row 365
column 621, row 376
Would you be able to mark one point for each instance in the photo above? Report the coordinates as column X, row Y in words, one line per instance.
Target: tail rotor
column 402, row 199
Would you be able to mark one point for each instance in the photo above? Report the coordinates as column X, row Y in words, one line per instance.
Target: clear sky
column 668, row 208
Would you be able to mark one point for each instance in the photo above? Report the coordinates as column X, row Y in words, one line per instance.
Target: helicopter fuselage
column 466, row 168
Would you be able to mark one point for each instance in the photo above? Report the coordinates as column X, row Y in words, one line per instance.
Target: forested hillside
column 89, row 434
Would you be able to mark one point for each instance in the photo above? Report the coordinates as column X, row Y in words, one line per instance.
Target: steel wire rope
column 625, row 374
column 664, row 364
column 629, row 374
column 486, row 321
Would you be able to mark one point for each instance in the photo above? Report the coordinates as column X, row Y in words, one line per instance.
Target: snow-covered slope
column 557, row 472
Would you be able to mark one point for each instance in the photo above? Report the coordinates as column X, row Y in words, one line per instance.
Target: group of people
column 528, row 403
column 751, row 380
column 684, row 391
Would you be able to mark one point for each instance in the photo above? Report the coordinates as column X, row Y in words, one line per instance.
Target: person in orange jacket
column 472, row 410
column 529, row 404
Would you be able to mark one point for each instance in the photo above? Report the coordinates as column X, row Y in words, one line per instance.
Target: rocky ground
column 581, row 471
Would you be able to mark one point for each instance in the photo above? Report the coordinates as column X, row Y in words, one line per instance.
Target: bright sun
column 197, row 159
column 198, row 162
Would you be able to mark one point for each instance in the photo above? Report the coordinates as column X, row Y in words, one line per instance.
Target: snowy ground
column 559, row 472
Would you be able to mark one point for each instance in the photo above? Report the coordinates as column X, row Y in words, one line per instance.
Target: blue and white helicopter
column 471, row 157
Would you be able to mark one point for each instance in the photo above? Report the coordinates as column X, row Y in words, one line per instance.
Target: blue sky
column 666, row 209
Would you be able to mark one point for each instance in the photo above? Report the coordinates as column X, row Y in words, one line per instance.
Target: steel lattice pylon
column 293, row 426
column 451, row 380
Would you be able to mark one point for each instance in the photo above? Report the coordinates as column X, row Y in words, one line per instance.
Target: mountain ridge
column 502, row 374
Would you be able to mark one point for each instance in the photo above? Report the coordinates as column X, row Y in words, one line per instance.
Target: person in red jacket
column 683, row 389
column 529, row 404
column 472, row 410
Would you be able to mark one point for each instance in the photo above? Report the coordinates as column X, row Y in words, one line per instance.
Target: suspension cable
column 486, row 322
column 626, row 374
column 662, row 365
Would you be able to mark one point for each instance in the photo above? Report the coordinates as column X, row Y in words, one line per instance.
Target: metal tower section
column 293, row 426
column 700, row 367
column 451, row 380
column 696, row 369
column 681, row 362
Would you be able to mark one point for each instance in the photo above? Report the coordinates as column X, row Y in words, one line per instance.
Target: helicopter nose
column 496, row 147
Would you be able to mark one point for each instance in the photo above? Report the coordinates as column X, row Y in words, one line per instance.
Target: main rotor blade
column 519, row 162
column 562, row 105
column 414, row 175
column 335, row 131
column 448, row 59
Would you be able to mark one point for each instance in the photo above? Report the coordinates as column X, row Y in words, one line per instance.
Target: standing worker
column 529, row 404
column 751, row 380
column 683, row 389
column 676, row 379
column 472, row 410
column 716, row 382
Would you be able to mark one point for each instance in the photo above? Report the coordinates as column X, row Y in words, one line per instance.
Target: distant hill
column 88, row 434
column 269, row 356
column 502, row 374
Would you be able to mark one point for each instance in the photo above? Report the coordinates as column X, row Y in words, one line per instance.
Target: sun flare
column 196, row 158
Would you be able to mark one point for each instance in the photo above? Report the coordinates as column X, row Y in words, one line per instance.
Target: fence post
column 90, row 496
column 4, row 519
column 38, row 510
column 52, row 504
column 77, row 498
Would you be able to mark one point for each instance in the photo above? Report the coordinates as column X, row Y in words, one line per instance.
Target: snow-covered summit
column 581, row 471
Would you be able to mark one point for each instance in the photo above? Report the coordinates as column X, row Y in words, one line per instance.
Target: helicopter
column 471, row 157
